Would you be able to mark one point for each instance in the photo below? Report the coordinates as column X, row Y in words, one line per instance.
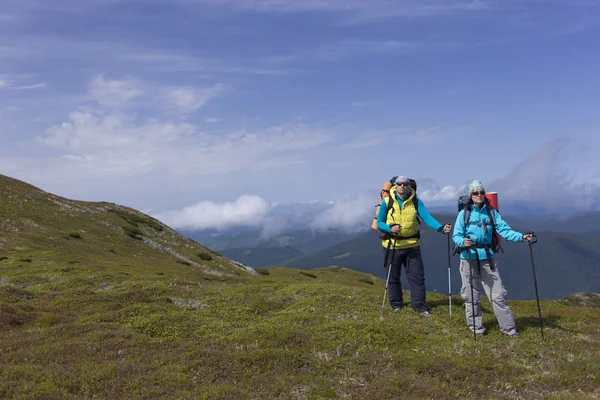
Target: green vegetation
column 137, row 219
column 133, row 232
column 86, row 332
column 74, row 235
column 582, row 300
column 205, row 256
column 262, row 271
column 109, row 317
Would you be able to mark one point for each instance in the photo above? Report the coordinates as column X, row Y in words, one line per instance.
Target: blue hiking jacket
column 475, row 231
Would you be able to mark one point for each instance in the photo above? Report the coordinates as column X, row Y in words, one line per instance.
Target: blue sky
column 182, row 107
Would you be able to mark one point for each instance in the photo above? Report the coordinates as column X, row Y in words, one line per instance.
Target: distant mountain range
column 567, row 256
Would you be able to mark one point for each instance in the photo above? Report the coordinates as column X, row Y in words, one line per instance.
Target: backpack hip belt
column 386, row 236
column 487, row 248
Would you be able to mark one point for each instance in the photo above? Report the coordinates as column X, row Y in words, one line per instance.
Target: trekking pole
column 385, row 264
column 449, row 283
column 472, row 296
column 537, row 297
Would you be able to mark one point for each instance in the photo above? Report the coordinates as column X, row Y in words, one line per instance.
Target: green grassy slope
column 80, row 333
column 110, row 316
column 39, row 228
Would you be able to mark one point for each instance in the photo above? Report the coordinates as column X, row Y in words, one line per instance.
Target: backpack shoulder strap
column 467, row 215
column 416, row 204
column 492, row 216
column 390, row 203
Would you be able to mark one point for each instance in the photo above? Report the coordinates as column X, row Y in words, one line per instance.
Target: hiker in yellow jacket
column 400, row 239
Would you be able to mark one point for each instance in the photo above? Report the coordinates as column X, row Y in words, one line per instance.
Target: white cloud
column 9, row 83
column 349, row 213
column 30, row 87
column 247, row 210
column 114, row 93
column 402, row 7
column 447, row 193
column 117, row 144
column 559, row 167
column 188, row 99
column 211, row 120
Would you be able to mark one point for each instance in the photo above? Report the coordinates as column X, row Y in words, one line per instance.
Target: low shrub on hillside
column 133, row 232
column 134, row 219
column 205, row 256
column 262, row 271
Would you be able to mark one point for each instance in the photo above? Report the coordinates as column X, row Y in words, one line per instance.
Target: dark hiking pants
column 415, row 274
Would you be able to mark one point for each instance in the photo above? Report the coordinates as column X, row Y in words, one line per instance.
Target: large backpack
column 496, row 244
column 385, row 192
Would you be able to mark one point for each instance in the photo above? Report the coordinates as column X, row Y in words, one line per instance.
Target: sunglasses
column 482, row 193
column 402, row 184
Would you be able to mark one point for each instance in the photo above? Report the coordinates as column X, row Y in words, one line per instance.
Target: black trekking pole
column 449, row 283
column 537, row 297
column 472, row 296
column 385, row 264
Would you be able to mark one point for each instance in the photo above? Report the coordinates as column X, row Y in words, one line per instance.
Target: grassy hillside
column 39, row 228
column 92, row 308
column 582, row 300
column 82, row 333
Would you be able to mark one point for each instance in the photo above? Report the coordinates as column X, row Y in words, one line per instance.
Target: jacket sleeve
column 505, row 230
column 382, row 218
column 459, row 232
column 427, row 218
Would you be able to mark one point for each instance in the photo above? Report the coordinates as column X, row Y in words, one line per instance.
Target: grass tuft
column 262, row 271
column 205, row 256
column 135, row 219
column 133, row 232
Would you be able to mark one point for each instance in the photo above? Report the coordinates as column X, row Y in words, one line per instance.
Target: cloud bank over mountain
column 547, row 181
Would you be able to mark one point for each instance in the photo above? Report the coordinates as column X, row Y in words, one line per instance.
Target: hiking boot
column 425, row 313
column 398, row 309
column 513, row 333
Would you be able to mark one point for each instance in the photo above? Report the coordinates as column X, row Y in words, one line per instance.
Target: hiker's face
column 402, row 187
column 478, row 197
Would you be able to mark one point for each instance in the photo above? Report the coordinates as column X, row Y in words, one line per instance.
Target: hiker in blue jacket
column 475, row 238
column 401, row 225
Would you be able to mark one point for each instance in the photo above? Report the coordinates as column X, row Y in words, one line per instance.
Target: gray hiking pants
column 495, row 291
